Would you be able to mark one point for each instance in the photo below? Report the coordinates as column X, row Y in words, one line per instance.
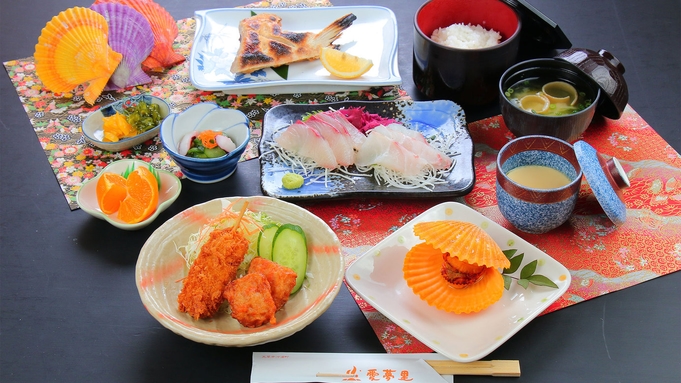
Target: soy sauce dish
column 179, row 130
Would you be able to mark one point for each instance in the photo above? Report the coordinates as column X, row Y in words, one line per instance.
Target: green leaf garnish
column 541, row 280
column 527, row 273
column 528, row 270
column 282, row 71
column 156, row 175
column 515, row 263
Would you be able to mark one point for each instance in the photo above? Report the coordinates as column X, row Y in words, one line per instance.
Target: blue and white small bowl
column 200, row 117
column 93, row 125
column 532, row 210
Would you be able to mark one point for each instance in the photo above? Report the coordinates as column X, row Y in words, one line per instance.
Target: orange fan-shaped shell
column 164, row 28
column 73, row 49
column 422, row 272
column 463, row 240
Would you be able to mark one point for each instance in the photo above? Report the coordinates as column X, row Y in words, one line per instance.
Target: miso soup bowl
column 465, row 76
column 533, row 210
column 566, row 127
column 197, row 118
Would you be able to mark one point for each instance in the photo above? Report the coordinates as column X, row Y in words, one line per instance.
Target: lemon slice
column 344, row 65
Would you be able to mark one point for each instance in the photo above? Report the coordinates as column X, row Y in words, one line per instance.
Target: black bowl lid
column 537, row 29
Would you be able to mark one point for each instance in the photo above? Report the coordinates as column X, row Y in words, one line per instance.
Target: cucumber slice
column 265, row 239
column 289, row 249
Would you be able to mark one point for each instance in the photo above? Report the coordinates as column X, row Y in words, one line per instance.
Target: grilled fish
column 264, row 44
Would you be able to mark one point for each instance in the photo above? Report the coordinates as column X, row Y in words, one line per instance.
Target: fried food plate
column 160, row 269
column 373, row 35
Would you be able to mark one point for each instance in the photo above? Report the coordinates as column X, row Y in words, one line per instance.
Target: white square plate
column 377, row 277
column 373, row 35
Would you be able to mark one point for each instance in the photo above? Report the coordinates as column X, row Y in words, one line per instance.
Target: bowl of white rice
column 462, row 47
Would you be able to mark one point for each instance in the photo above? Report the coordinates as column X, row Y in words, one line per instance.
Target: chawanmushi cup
column 537, row 210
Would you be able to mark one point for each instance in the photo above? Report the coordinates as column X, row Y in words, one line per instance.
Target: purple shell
column 130, row 34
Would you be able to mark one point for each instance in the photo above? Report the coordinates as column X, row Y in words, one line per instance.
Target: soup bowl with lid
column 531, row 207
column 560, row 96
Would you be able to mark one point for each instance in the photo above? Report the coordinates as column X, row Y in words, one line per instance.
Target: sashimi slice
column 337, row 119
column 381, row 150
column 407, row 132
column 398, row 133
column 341, row 143
column 304, row 141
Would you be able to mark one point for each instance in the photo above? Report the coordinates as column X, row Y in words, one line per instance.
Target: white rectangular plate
column 377, row 277
column 373, row 36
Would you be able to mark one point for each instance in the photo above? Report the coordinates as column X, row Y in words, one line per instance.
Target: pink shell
column 165, row 31
column 129, row 34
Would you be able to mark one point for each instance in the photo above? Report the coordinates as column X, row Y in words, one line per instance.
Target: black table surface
column 70, row 311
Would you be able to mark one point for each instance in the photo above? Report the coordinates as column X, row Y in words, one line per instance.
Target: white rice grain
column 464, row 36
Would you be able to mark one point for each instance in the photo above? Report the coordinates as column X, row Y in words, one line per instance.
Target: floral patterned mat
column 57, row 118
column 601, row 258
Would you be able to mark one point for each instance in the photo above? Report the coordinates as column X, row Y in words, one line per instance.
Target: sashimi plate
column 440, row 118
column 373, row 35
column 378, row 278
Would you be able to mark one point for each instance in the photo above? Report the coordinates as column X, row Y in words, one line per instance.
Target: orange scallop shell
column 463, row 240
column 165, row 30
column 72, row 50
column 422, row 267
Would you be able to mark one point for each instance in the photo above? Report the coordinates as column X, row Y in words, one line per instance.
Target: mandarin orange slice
column 422, row 272
column 142, row 198
column 463, row 240
column 111, row 190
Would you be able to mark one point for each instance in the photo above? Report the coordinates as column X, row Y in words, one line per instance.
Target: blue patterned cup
column 530, row 209
column 197, row 118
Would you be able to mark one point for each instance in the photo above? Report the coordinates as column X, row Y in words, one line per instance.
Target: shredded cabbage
column 251, row 223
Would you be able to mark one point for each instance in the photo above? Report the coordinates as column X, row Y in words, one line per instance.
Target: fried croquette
column 251, row 300
column 282, row 279
column 214, row 268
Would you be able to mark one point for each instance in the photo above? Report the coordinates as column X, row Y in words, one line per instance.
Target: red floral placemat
column 601, row 258
column 57, row 118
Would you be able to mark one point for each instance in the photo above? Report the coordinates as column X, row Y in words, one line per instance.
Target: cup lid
column 607, row 179
column 606, row 71
column 537, row 29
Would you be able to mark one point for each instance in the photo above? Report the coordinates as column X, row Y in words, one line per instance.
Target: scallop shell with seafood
column 423, row 274
column 129, row 34
column 463, row 240
column 165, row 31
column 72, row 50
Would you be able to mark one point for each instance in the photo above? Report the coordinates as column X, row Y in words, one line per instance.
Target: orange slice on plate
column 423, row 273
column 343, row 64
column 111, row 190
column 142, row 198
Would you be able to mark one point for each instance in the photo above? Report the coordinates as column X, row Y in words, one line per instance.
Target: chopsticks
column 502, row 368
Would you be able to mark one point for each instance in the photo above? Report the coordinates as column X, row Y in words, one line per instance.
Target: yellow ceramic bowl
column 160, row 269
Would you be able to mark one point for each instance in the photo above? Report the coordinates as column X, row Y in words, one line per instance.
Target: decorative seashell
column 72, row 50
column 129, row 34
column 165, row 31
column 422, row 272
column 463, row 240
